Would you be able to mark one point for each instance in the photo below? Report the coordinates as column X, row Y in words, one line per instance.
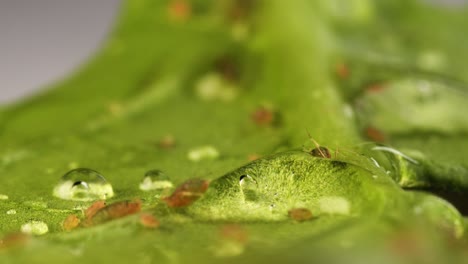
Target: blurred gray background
column 43, row 40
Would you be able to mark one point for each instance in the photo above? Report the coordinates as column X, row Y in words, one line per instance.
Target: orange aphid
column 179, row 10
column 167, row 142
column 342, row 70
column 300, row 214
column 252, row 157
column 92, row 210
column 149, row 221
column 263, row 116
column 234, row 232
column 374, row 134
column 71, row 222
column 114, row 211
column 375, row 88
column 13, row 240
column 187, row 193
column 406, row 243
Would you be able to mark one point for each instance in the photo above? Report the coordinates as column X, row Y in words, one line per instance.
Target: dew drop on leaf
column 248, row 187
column 11, row 212
column 83, row 184
column 35, row 228
column 155, row 180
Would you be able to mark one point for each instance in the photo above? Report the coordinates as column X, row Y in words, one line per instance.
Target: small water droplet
column 203, row 153
column 83, row 184
column 249, row 187
column 11, row 212
column 35, row 228
column 334, row 205
column 155, row 180
column 3, row 197
column 272, row 206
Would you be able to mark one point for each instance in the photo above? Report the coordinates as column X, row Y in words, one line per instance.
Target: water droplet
column 35, row 228
column 3, row 197
column 154, row 180
column 396, row 152
column 83, row 184
column 248, row 187
column 213, row 87
column 334, row 205
column 203, row 153
column 11, row 212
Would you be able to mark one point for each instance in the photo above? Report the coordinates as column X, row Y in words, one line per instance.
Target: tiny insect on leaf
column 71, row 222
column 187, row 193
column 300, row 214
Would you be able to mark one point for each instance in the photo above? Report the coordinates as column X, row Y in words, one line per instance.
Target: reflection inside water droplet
column 155, row 180
column 83, row 184
column 248, row 187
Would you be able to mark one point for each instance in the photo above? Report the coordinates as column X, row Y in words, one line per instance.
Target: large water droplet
column 248, row 187
column 83, row 184
column 155, row 180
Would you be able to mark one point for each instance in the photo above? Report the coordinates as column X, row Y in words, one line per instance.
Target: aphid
column 375, row 88
column 406, row 243
column 240, row 9
column 179, row 10
column 228, row 69
column 234, row 232
column 114, row 211
column 263, row 116
column 252, row 157
column 92, row 210
column 300, row 214
column 149, row 221
column 71, row 222
column 167, row 142
column 319, row 151
column 13, row 240
column 374, row 134
column 342, row 70
column 187, row 193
